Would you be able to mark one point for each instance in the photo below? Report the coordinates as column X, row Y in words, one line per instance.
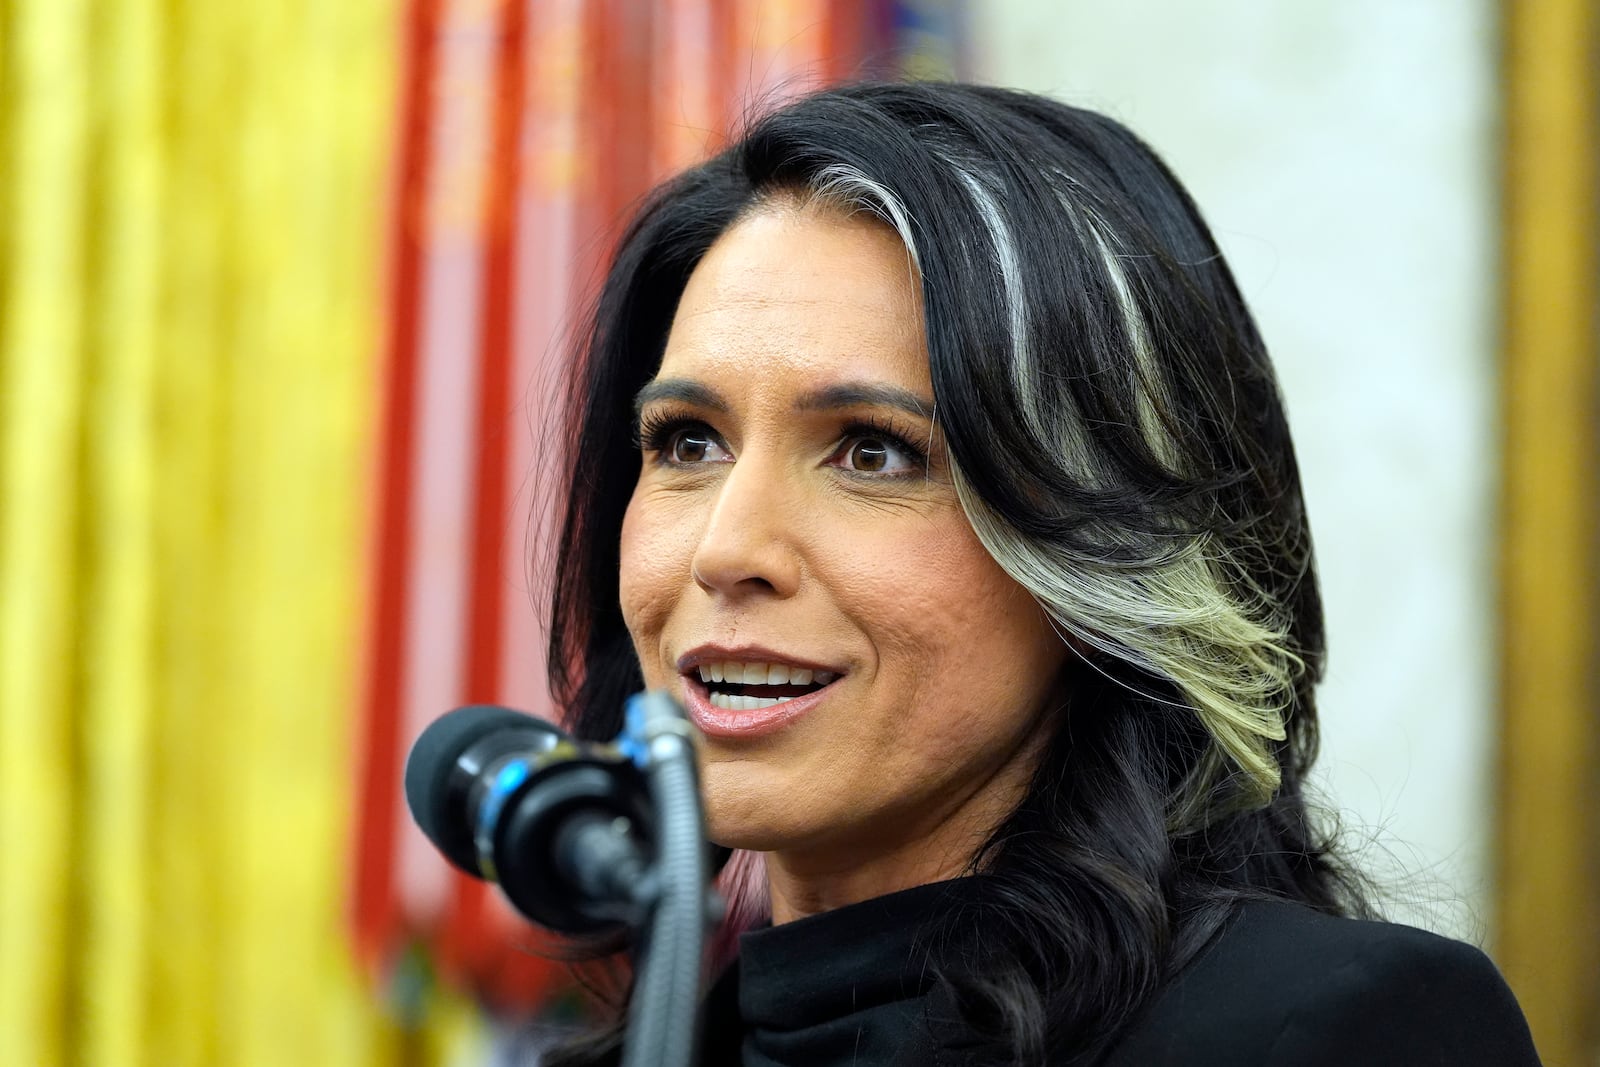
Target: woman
column 953, row 495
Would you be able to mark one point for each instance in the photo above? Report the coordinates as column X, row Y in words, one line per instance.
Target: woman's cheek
column 635, row 577
column 656, row 554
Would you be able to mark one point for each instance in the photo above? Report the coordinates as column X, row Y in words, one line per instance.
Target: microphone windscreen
column 437, row 756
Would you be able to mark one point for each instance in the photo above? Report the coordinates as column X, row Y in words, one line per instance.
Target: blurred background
column 284, row 288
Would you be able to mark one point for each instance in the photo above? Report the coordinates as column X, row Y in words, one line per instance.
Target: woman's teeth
column 748, row 675
column 737, row 702
column 763, row 674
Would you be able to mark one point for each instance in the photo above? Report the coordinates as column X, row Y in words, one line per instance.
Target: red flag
column 527, row 130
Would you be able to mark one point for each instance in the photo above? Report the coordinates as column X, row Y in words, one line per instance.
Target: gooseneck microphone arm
column 668, row 988
column 583, row 838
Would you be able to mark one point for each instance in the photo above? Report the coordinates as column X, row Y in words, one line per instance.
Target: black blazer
column 1285, row 986
column 1280, row 985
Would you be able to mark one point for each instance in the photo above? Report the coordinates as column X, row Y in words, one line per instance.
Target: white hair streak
column 1178, row 616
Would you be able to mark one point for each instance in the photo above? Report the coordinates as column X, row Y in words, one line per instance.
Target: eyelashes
column 665, row 435
column 653, row 430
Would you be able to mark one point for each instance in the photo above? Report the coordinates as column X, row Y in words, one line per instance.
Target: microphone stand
column 662, row 1018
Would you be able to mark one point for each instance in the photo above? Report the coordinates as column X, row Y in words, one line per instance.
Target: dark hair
column 1119, row 444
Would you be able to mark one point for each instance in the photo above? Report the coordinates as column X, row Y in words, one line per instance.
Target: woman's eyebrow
column 865, row 394
column 683, row 390
column 825, row 398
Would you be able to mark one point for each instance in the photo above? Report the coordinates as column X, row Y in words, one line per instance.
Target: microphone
column 563, row 828
column 584, row 838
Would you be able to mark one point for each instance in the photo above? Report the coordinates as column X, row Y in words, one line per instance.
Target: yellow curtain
column 192, row 198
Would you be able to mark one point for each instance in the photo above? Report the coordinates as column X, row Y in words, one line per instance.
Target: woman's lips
column 723, row 722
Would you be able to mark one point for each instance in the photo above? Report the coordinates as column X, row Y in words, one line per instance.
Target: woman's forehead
column 807, row 255
column 806, row 291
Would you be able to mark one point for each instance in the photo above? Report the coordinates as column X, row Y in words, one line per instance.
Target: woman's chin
column 776, row 827
column 749, row 818
column 740, row 830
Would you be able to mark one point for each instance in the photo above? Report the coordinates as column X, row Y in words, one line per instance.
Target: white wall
column 1343, row 154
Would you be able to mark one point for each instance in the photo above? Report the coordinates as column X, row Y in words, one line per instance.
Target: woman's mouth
column 736, row 685
column 749, row 698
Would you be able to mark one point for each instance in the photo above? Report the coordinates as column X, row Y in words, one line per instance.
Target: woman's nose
column 748, row 544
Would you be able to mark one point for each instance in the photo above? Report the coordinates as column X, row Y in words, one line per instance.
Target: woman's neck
column 798, row 891
column 935, row 848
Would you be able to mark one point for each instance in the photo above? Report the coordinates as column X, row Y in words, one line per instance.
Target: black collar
column 852, row 985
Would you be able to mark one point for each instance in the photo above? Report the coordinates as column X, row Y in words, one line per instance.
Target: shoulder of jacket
column 1285, row 984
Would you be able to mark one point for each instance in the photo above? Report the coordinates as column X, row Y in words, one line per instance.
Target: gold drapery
column 1547, row 933
column 191, row 220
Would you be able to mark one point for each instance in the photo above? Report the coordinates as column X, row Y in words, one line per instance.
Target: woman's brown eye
column 691, row 446
column 869, row 454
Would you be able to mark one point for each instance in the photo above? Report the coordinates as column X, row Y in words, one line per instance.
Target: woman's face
column 796, row 569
